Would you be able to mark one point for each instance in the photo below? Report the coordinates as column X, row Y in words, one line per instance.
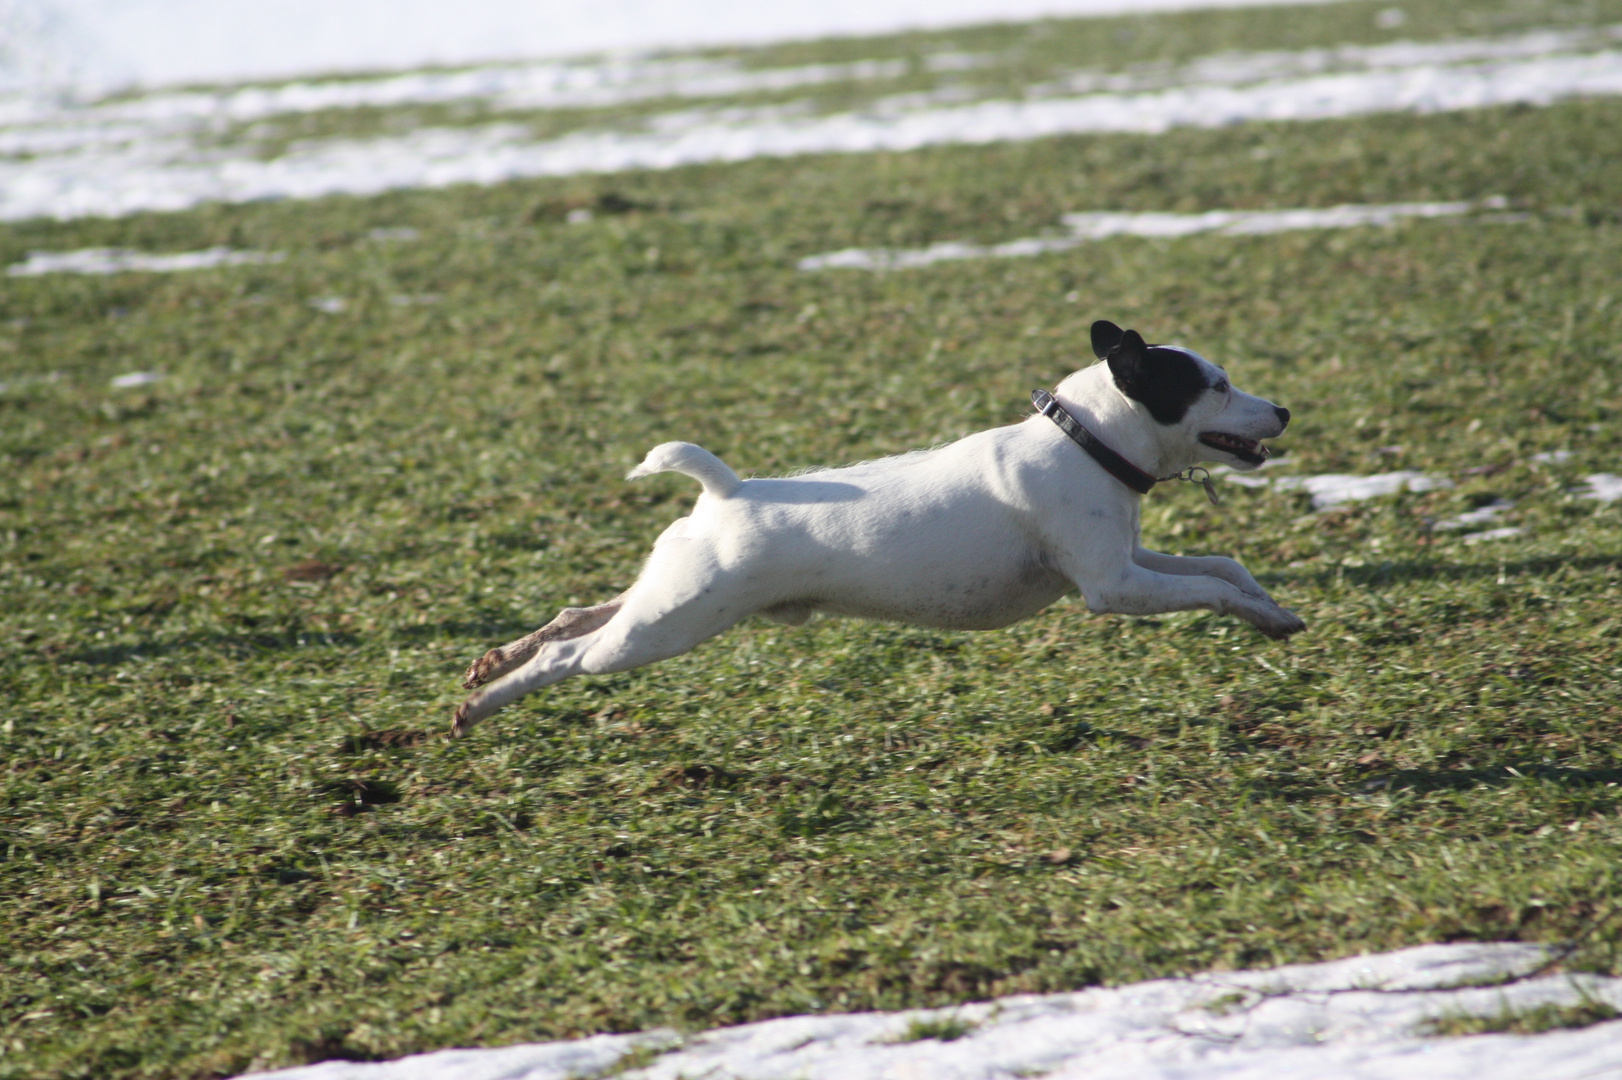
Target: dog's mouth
column 1250, row 451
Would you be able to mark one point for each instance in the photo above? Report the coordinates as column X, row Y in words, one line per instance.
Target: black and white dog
column 977, row 534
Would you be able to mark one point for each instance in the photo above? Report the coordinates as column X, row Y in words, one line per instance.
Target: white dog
column 974, row 535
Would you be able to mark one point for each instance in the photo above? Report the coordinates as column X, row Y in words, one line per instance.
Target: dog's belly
column 976, row 600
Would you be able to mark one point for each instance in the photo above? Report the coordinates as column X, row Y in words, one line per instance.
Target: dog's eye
column 1221, row 386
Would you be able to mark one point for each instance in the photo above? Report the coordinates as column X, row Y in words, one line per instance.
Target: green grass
column 943, row 1028
column 236, row 604
column 1533, row 1020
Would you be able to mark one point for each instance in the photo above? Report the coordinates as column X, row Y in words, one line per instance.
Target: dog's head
column 1190, row 399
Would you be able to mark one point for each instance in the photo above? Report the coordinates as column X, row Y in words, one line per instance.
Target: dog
column 974, row 535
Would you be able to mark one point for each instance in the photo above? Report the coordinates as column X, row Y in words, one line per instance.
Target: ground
column 236, row 600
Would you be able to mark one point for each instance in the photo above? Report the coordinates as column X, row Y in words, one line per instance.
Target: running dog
column 973, row 535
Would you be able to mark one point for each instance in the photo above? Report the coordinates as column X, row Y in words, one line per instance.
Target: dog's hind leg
column 650, row 625
column 570, row 622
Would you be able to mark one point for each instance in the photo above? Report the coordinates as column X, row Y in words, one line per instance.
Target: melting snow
column 1362, row 1017
column 1506, row 533
column 158, row 152
column 1479, row 516
column 1606, row 487
column 1091, row 227
column 182, row 41
column 119, row 261
column 137, row 378
column 45, row 124
column 1332, row 489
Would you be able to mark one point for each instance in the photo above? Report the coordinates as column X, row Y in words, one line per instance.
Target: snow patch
column 1092, row 227
column 137, row 378
column 155, row 42
column 1333, row 489
column 122, row 261
column 160, row 153
column 48, row 124
column 1365, row 1017
column 1479, row 516
column 1606, row 487
column 1506, row 533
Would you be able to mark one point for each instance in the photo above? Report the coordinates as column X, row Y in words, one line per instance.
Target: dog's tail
column 694, row 461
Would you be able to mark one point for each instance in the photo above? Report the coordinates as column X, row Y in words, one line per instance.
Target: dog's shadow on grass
column 1428, row 780
column 478, row 633
column 1297, row 789
column 232, row 646
column 1394, row 573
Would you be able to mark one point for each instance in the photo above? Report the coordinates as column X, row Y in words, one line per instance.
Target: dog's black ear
column 1128, row 361
column 1106, row 336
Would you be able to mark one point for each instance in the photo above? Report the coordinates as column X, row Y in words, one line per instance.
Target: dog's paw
column 1280, row 623
column 479, row 672
column 462, row 722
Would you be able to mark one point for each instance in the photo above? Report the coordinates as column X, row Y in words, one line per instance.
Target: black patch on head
column 1165, row 381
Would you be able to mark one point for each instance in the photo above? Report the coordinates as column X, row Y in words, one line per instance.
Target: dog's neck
column 1091, row 397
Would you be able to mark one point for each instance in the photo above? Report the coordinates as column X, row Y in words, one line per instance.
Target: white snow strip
column 153, row 42
column 1257, row 222
column 1091, row 227
column 947, row 251
column 48, row 123
column 1479, row 516
column 121, row 261
column 1506, row 533
column 1364, row 1017
column 137, row 378
column 1606, row 487
column 45, row 124
column 1239, row 67
column 132, row 166
column 1332, row 489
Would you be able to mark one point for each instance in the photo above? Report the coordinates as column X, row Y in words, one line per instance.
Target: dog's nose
column 1283, row 414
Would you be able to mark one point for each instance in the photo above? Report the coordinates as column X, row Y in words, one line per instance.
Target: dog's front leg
column 1138, row 590
column 1217, row 566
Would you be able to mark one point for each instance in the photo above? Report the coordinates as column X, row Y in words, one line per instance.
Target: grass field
column 236, row 603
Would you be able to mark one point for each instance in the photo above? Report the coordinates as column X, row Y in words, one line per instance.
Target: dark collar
column 1117, row 466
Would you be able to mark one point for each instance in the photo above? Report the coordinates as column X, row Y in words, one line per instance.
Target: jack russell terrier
column 973, row 535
